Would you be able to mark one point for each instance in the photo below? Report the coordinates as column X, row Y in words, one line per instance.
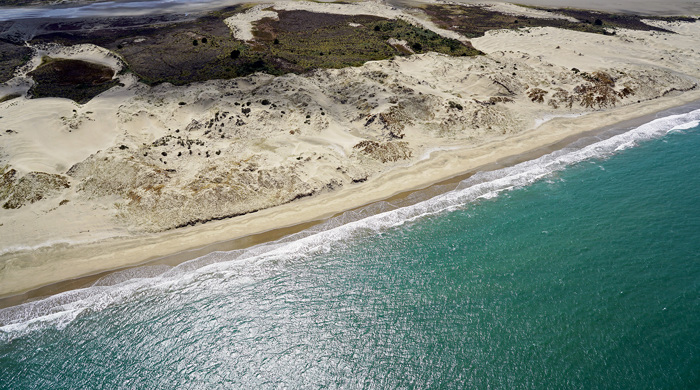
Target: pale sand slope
column 324, row 143
column 569, row 49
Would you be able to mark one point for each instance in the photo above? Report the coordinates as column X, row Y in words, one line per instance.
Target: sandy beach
column 336, row 139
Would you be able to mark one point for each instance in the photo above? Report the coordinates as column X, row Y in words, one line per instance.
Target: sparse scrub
column 599, row 91
column 12, row 56
column 293, row 43
column 563, row 97
column 386, row 151
column 7, row 179
column 328, row 41
column 500, row 99
column 30, row 188
column 473, row 20
column 71, row 79
column 455, row 105
column 537, row 95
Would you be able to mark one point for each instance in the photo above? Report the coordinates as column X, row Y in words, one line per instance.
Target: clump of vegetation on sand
column 12, row 56
column 386, row 151
column 30, row 188
column 71, row 79
column 301, row 40
column 599, row 90
column 611, row 20
column 204, row 48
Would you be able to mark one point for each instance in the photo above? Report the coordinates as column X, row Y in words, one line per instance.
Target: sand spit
column 124, row 178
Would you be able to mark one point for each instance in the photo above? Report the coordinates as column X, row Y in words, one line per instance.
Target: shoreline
column 73, row 267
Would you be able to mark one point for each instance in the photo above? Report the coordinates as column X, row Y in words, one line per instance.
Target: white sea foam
column 686, row 126
column 243, row 266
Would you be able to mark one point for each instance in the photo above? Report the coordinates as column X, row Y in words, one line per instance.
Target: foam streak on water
column 60, row 310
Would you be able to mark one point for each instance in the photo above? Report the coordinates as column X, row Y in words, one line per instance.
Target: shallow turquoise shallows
column 579, row 270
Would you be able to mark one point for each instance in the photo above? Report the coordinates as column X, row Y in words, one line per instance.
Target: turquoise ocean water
column 578, row 270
